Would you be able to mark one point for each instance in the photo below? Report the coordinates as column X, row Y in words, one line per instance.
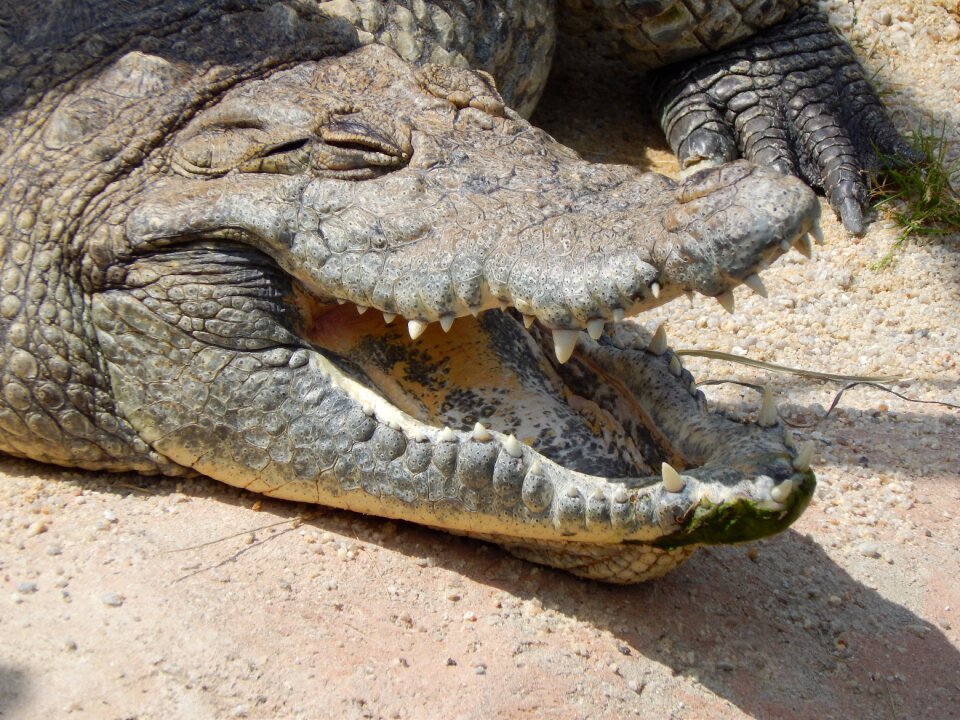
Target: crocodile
column 316, row 251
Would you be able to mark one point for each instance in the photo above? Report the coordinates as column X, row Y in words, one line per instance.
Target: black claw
column 852, row 216
column 704, row 144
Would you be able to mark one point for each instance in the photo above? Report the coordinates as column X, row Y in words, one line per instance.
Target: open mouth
column 613, row 445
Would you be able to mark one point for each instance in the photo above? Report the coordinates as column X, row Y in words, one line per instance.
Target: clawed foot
column 793, row 98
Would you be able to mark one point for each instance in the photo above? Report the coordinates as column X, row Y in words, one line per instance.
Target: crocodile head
column 369, row 285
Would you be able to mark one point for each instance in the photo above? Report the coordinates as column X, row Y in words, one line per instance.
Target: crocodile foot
column 793, row 98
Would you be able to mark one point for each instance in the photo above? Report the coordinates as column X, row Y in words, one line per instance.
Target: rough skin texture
column 193, row 226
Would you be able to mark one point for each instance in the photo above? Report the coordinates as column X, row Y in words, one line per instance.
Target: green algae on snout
column 741, row 520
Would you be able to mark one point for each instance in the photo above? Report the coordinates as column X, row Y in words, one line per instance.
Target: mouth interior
column 490, row 369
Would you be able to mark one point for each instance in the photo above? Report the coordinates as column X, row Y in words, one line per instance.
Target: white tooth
column 817, row 233
column 782, row 491
column 446, row 322
column 528, row 320
column 597, row 494
column 675, row 367
column 785, row 245
column 504, row 305
column 474, row 310
column 756, row 284
column 367, row 409
column 788, row 440
column 655, row 289
column 446, row 435
column 480, row 433
column 658, row 346
column 512, row 446
column 805, row 246
column 595, row 328
column 621, row 496
column 572, row 492
column 535, row 468
column 416, row 328
column 692, row 388
column 672, row 482
column 802, row 461
column 340, row 301
column 419, row 436
column 564, row 343
column 361, row 309
column 726, row 301
column 393, row 425
column 618, row 314
column 767, row 417
column 389, row 317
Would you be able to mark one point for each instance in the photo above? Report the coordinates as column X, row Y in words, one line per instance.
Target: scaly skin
column 194, row 228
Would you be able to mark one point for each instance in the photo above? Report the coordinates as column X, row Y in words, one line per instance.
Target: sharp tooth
column 535, row 468
column 361, row 309
column 658, row 346
column 621, row 496
column 595, row 328
column 726, row 301
column 474, row 310
column 416, row 328
column 389, row 317
column 788, row 440
column 672, row 482
column 802, row 461
column 504, row 305
column 618, row 314
column 528, row 320
column 782, row 491
column 655, row 289
column 756, row 284
column 393, row 425
column 446, row 435
column 675, row 367
column 564, row 343
column 446, row 322
column 419, row 436
column 805, row 246
column 572, row 492
column 367, row 409
column 480, row 433
column 785, row 245
column 689, row 294
column 692, row 388
column 767, row 417
column 817, row 233
column 512, row 446
column 340, row 301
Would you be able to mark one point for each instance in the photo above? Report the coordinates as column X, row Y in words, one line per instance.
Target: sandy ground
column 129, row 597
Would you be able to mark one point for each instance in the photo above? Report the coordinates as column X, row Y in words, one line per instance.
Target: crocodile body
column 333, row 265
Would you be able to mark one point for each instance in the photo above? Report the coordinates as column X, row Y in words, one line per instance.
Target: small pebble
column 869, row 549
column 37, row 528
column 112, row 599
column 27, row 588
